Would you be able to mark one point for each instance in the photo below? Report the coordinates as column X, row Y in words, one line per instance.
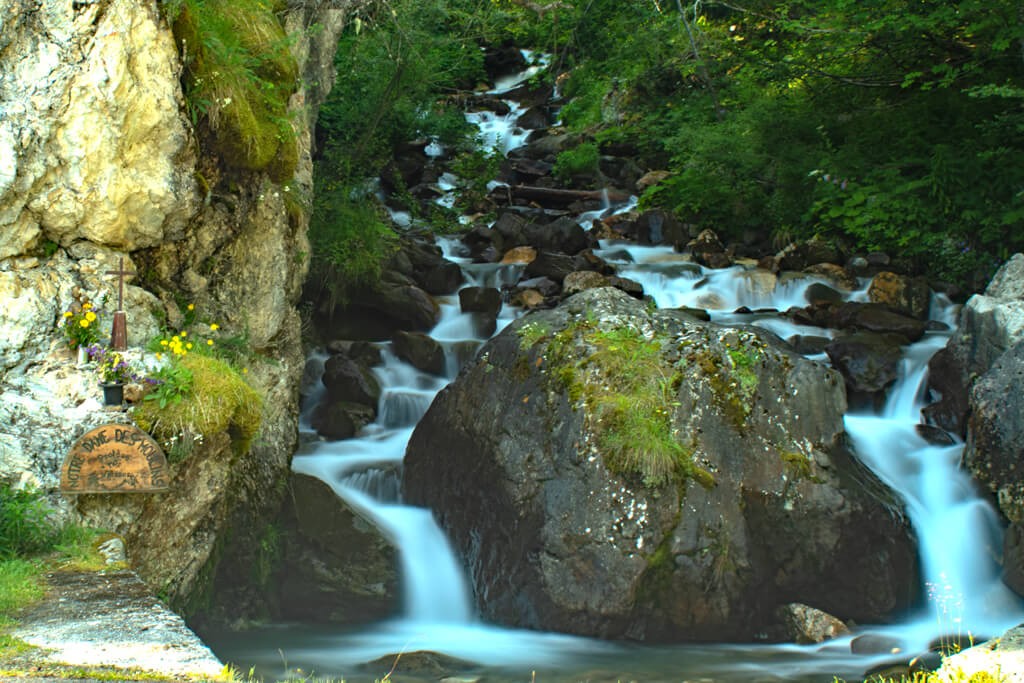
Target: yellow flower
column 209, row 342
column 191, row 307
column 90, row 316
column 175, row 339
column 83, row 322
column 214, row 327
column 68, row 314
column 86, row 306
column 159, row 356
column 164, row 342
column 189, row 346
column 184, row 333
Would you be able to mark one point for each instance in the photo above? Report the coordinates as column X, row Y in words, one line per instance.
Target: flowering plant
column 80, row 325
column 112, row 367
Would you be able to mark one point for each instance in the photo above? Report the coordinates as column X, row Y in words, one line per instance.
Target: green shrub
column 350, row 242
column 25, row 524
column 20, row 584
column 580, row 160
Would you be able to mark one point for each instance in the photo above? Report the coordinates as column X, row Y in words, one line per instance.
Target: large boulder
column 337, row 566
column 990, row 323
column 617, row 472
column 995, row 450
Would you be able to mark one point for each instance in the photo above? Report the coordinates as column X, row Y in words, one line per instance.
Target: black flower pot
column 113, row 394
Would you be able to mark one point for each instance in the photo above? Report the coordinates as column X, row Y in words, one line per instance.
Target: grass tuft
column 220, row 401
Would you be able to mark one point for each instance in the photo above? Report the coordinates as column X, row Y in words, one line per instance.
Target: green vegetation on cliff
column 239, row 74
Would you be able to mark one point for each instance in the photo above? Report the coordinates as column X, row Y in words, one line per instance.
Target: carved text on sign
column 114, row 458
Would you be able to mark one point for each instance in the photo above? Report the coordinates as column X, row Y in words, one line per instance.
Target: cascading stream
column 958, row 531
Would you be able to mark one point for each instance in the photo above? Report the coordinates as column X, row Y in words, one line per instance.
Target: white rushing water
column 958, row 530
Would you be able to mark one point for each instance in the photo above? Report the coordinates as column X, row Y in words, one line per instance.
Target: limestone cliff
column 98, row 161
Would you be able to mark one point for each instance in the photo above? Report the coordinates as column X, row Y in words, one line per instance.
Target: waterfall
column 958, row 530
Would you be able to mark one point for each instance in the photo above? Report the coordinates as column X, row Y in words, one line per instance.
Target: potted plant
column 115, row 371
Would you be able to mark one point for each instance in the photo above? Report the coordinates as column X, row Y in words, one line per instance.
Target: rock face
column 99, row 161
column 566, row 525
column 978, row 375
column 93, row 115
column 990, row 323
column 337, row 566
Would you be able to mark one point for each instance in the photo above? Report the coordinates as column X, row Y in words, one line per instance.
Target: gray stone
column 804, row 625
column 990, row 324
column 511, row 459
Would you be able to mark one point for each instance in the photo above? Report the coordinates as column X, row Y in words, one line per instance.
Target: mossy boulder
column 613, row 471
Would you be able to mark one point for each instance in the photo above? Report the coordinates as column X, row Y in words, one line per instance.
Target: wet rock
column 522, row 255
column 709, row 251
column 336, row 420
column 808, row 344
column 910, row 296
column 419, row 350
column 573, row 540
column 869, row 363
column 990, row 323
column 347, row 380
column 362, row 352
column 1013, row 558
column 875, row 644
column 546, row 286
column 631, row 287
column 503, row 60
column 804, row 625
column 551, row 265
column 582, row 280
column 563, row 235
column 547, row 147
column 878, row 318
column 480, row 300
column 509, row 231
column 535, row 117
column 528, row 299
column 995, row 432
column 934, row 436
column 528, row 170
column 337, row 567
column 657, row 226
column 817, row 294
column 837, row 275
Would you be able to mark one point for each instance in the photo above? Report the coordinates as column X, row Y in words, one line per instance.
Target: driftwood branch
column 548, row 195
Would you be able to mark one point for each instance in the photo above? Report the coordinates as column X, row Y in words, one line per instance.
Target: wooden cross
column 120, row 272
column 119, row 328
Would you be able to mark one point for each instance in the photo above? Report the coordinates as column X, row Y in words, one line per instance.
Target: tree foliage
column 887, row 124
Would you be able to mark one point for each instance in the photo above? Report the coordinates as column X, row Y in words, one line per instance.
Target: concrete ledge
column 112, row 619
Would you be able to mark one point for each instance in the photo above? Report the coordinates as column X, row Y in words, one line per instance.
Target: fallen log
column 549, row 195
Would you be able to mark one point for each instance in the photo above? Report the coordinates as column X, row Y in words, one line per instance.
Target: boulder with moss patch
column 612, row 471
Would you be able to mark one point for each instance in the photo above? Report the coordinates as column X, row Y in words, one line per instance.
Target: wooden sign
column 114, row 458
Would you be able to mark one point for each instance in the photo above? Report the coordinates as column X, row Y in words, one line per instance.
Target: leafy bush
column 580, row 160
column 20, row 584
column 25, row 525
column 350, row 242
